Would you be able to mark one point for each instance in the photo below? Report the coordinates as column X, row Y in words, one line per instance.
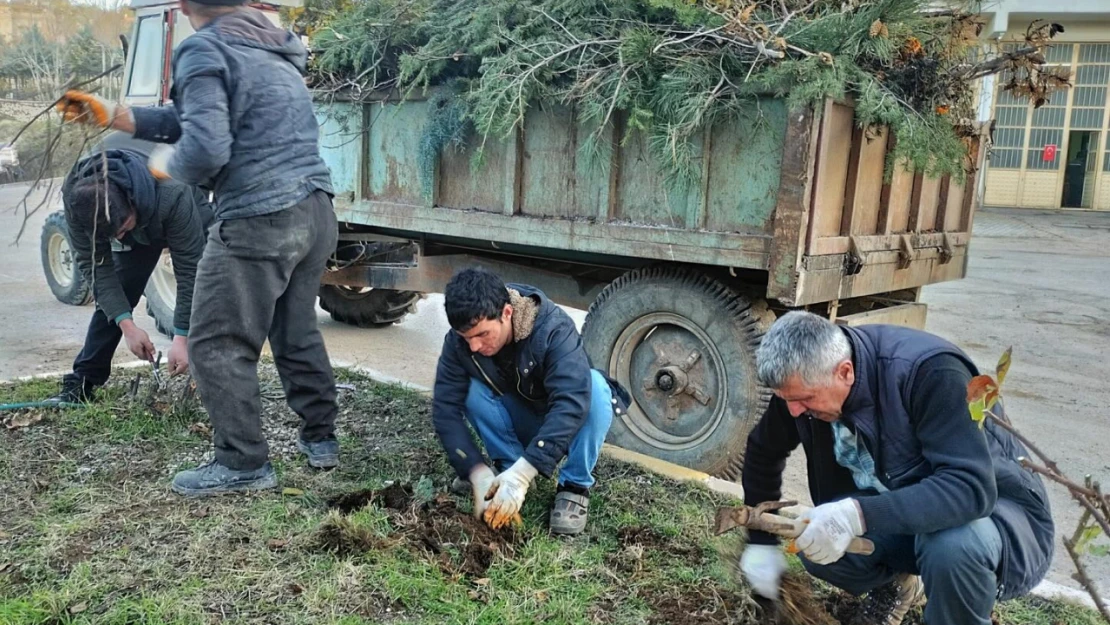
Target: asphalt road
column 1036, row 281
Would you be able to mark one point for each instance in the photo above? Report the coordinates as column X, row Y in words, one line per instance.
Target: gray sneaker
column 460, row 487
column 216, row 479
column 889, row 604
column 321, row 454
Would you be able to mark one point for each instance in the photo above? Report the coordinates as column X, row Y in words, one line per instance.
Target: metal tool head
column 156, row 372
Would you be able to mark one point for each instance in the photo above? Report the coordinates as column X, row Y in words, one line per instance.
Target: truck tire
column 161, row 295
column 59, row 263
column 367, row 308
column 683, row 345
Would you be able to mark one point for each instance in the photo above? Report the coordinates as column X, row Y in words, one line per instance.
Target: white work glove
column 481, row 478
column 159, row 161
column 506, row 494
column 831, row 528
column 763, row 566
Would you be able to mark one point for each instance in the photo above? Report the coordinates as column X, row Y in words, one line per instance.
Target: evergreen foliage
column 667, row 68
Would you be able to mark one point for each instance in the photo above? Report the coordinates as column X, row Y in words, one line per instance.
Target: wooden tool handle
column 859, row 545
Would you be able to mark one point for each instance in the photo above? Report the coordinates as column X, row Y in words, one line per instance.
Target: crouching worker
column 514, row 366
column 120, row 220
column 892, row 454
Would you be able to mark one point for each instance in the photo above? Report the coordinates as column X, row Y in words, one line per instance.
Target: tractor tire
column 161, row 295
column 367, row 308
column 683, row 345
column 59, row 263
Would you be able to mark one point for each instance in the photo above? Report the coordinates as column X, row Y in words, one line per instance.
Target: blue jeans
column 958, row 567
column 507, row 424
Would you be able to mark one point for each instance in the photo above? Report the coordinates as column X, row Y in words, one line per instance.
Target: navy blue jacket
column 242, row 118
column 909, row 406
column 552, row 373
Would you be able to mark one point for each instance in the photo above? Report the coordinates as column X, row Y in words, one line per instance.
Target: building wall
column 1018, row 172
column 17, row 17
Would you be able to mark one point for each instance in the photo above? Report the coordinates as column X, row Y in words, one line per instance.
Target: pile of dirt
column 461, row 544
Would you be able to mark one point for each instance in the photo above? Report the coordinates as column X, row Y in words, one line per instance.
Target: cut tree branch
column 1094, row 504
column 1083, row 578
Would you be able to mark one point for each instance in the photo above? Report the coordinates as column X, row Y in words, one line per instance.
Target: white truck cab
column 159, row 28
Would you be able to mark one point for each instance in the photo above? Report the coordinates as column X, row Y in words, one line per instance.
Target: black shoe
column 889, row 604
column 216, row 479
column 74, row 391
column 321, row 454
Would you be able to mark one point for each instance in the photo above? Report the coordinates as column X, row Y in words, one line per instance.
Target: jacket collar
column 860, row 398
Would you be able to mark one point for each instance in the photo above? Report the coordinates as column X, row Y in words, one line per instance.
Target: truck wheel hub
column 677, row 380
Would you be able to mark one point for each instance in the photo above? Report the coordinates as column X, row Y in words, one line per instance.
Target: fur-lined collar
column 525, row 310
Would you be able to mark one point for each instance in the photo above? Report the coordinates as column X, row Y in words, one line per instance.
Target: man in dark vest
column 892, row 454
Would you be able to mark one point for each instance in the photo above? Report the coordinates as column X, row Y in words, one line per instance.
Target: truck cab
column 159, row 28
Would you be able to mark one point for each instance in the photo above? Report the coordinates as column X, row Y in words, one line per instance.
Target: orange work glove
column 86, row 108
column 506, row 494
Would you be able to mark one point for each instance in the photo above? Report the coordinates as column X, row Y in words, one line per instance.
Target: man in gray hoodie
column 242, row 125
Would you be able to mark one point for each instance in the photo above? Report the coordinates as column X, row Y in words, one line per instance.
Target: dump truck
column 790, row 210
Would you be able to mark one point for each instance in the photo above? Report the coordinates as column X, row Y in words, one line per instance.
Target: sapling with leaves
column 983, row 394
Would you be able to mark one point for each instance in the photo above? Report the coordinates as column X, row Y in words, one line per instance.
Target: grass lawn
column 90, row 532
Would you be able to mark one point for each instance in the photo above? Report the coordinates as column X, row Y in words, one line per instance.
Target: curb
column 674, row 471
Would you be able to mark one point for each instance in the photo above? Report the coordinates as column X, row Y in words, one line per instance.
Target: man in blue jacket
column 243, row 125
column 892, row 454
column 514, row 366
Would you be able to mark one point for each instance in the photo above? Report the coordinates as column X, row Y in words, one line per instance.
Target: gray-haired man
column 892, row 453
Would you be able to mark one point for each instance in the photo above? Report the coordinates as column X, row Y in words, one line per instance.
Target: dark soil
column 460, row 543
column 394, row 497
column 701, row 604
column 650, row 538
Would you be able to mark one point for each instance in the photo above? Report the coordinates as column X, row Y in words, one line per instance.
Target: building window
column 1009, row 134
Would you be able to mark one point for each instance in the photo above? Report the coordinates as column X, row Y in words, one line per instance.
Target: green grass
column 91, row 533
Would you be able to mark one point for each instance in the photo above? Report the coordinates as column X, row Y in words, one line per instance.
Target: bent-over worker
column 115, row 207
column 893, row 454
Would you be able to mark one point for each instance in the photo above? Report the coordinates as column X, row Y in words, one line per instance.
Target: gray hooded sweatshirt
column 242, row 118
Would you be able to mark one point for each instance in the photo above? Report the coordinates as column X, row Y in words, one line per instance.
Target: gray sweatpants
column 258, row 279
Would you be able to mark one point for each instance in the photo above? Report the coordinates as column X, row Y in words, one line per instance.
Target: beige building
column 17, row 17
column 1057, row 156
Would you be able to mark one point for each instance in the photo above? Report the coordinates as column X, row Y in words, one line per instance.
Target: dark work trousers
column 258, row 279
column 957, row 566
column 93, row 364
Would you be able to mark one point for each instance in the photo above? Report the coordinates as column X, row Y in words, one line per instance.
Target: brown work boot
column 889, row 604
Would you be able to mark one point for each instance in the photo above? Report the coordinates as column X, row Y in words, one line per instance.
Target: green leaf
column 1003, row 365
column 978, row 409
column 292, row 492
column 1089, row 535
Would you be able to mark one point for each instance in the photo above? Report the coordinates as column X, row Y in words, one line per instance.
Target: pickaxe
column 762, row 518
